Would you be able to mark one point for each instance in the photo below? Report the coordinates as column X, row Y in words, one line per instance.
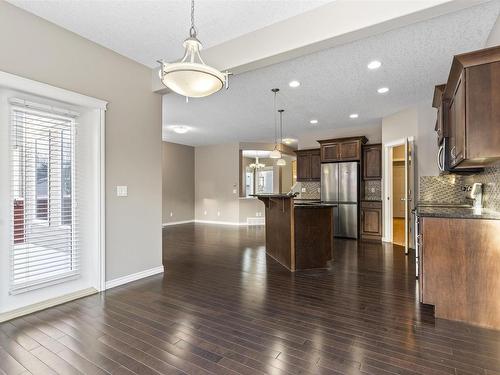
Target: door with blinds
column 44, row 248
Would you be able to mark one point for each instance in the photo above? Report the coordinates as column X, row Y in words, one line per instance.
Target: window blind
column 44, row 247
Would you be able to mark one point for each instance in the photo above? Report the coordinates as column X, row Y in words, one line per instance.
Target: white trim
column 133, row 277
column 219, row 222
column 102, row 203
column 42, row 89
column 177, row 223
column 46, row 304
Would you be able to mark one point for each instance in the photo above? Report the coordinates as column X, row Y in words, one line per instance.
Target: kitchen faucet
column 476, row 194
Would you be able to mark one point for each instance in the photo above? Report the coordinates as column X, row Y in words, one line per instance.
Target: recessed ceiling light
column 180, row 129
column 375, row 64
column 353, row 115
column 289, row 141
column 314, row 122
column 383, row 90
column 294, row 84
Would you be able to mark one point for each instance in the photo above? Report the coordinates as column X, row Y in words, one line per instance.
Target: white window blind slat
column 44, row 247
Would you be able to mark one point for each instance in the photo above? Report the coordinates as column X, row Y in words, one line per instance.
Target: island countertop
column 298, row 235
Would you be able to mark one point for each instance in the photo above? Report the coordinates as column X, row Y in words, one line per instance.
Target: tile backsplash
column 312, row 190
column 373, row 190
column 448, row 188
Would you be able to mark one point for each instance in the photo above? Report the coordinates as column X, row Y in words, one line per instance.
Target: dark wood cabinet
column 458, row 259
column 308, row 165
column 371, row 220
column 442, row 112
column 341, row 149
column 372, row 162
column 469, row 110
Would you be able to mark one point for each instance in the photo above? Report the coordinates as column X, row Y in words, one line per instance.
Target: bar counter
column 298, row 235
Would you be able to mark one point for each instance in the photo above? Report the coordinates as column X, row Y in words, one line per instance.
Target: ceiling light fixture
column 275, row 154
column 281, row 162
column 191, row 77
column 375, row 64
column 180, row 129
column 294, row 84
column 383, row 90
column 257, row 165
column 314, row 122
column 353, row 115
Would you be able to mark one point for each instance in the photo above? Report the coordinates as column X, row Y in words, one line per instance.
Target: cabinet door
column 350, row 150
column 371, row 221
column 372, row 162
column 456, row 118
column 330, row 152
column 315, row 166
column 303, row 167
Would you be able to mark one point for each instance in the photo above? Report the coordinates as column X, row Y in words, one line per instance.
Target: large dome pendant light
column 281, row 162
column 191, row 77
column 275, row 154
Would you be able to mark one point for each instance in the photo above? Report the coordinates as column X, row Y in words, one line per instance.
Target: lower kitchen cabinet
column 371, row 220
column 460, row 269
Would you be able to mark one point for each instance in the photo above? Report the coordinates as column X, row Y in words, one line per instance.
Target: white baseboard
column 219, row 222
column 177, row 223
column 46, row 304
column 133, row 277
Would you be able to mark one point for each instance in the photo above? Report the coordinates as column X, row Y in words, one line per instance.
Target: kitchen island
column 298, row 235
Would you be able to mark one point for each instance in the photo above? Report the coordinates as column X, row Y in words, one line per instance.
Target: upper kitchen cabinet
column 472, row 102
column 341, row 149
column 372, row 162
column 442, row 111
column 308, row 165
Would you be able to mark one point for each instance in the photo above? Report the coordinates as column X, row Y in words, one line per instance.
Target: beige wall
column 178, row 182
column 36, row 49
column 216, row 183
column 494, row 37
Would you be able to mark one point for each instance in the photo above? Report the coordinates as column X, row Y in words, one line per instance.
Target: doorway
column 399, row 192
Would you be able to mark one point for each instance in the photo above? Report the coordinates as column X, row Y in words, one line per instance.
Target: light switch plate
column 121, row 191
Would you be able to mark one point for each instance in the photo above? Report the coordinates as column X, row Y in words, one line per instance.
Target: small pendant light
column 275, row 154
column 281, row 162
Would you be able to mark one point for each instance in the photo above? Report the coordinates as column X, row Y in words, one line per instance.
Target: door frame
column 387, row 207
column 16, row 83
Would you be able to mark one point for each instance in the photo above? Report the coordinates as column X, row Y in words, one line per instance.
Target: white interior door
column 410, row 192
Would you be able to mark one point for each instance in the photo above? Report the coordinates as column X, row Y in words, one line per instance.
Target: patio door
column 45, row 242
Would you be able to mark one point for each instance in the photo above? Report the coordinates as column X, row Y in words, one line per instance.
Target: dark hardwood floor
column 223, row 307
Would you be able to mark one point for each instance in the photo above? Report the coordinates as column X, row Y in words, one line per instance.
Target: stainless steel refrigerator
column 339, row 184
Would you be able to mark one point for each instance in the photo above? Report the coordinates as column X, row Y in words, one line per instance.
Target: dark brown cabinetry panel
column 341, row 149
column 308, row 165
column 330, row 152
column 372, row 162
column 371, row 220
column 459, row 261
column 469, row 110
column 315, row 166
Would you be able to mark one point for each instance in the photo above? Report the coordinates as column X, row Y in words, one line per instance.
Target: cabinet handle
column 452, row 152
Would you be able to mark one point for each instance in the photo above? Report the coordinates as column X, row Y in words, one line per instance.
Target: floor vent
column 256, row 221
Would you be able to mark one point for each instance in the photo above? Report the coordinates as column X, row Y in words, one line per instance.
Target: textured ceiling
column 147, row 31
column 335, row 83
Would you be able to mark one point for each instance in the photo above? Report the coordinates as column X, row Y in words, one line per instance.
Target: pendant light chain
column 192, row 30
column 275, row 123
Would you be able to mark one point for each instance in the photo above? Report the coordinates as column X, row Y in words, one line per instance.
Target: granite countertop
column 316, row 204
column 289, row 196
column 456, row 212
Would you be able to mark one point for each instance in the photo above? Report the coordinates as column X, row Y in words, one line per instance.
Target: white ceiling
column 335, row 83
column 147, row 31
